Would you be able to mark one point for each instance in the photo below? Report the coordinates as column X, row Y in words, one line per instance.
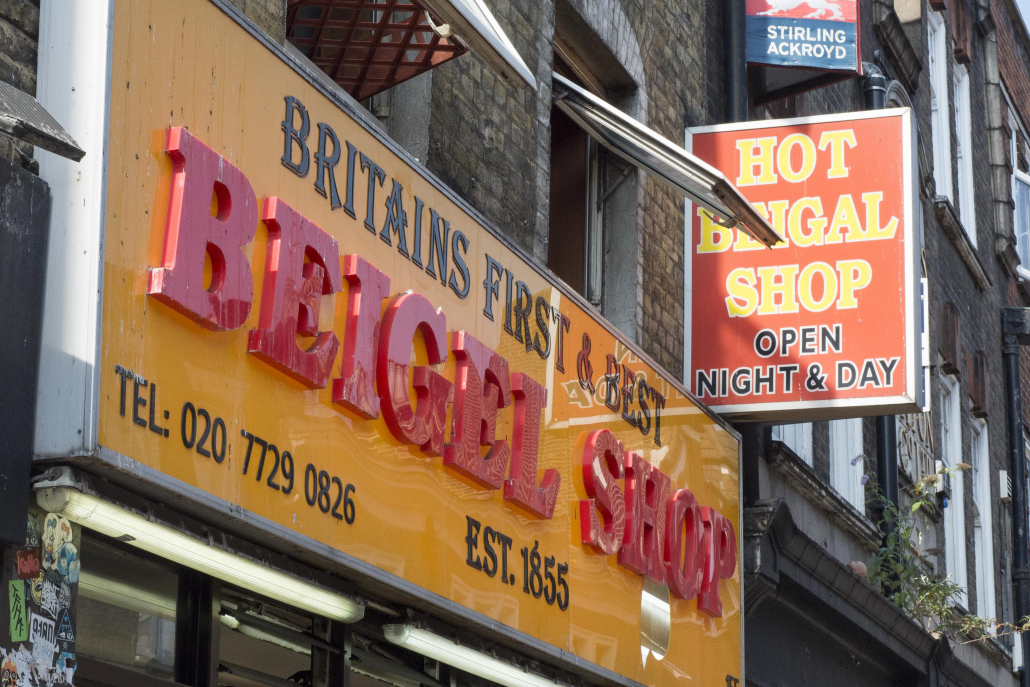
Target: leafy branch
column 900, row 570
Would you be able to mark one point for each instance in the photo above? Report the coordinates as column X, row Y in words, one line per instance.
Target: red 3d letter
column 602, row 470
column 481, row 387
column 684, row 544
column 355, row 388
column 192, row 233
column 424, row 427
column 521, row 489
column 720, row 560
column 647, row 488
column 290, row 298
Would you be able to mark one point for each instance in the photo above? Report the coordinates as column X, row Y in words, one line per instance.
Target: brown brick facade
column 19, row 35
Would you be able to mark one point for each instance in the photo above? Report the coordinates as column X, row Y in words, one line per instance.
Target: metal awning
column 368, row 46
column 22, row 117
column 659, row 157
column 473, row 21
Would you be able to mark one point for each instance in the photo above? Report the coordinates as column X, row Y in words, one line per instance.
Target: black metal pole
column 874, row 87
column 874, row 92
column 887, row 465
column 735, row 46
column 1020, row 555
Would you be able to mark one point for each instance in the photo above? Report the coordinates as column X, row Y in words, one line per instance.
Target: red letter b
column 192, row 232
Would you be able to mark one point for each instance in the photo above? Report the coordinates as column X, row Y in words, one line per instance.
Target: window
column 964, row 152
column 954, row 513
column 1021, row 224
column 126, row 609
column 592, row 189
column 574, row 249
column 1018, row 155
column 847, row 461
column 797, row 437
column 940, row 111
column 983, row 539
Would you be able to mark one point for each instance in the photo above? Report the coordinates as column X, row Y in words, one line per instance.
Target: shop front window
column 126, row 609
column 261, row 643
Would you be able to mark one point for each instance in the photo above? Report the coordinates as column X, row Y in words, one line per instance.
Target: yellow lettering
column 815, row 226
column 778, row 210
column 714, row 238
column 785, row 287
column 873, row 230
column 854, row 275
column 835, row 140
column 783, row 163
column 829, row 286
column 743, row 298
column 763, row 160
column 845, row 217
column 745, row 242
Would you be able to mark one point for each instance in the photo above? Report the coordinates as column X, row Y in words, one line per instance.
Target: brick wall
column 950, row 280
column 1013, row 57
column 491, row 143
column 269, row 15
column 19, row 35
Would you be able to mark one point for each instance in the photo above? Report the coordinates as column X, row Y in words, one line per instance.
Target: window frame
column 964, row 151
column 798, row 438
column 955, row 557
column 1019, row 177
column 940, row 104
column 847, row 464
column 983, row 527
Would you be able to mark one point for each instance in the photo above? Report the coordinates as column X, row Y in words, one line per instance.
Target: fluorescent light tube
column 127, row 596
column 118, row 523
column 469, row 660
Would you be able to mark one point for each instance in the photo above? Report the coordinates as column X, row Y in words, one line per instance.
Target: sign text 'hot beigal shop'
column 299, row 320
column 824, row 324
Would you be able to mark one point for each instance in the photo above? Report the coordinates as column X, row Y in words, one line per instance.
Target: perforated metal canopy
column 367, row 46
column 663, row 159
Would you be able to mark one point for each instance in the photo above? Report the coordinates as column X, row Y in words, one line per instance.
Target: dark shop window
column 126, row 609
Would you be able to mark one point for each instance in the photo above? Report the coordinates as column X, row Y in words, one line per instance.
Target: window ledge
column 803, row 478
column 952, row 226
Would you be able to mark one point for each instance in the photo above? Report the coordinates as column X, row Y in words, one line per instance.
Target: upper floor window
column 847, row 461
column 797, row 437
column 581, row 173
column 1021, row 221
column 940, row 109
column 1019, row 155
column 954, row 513
column 983, row 539
column 964, row 152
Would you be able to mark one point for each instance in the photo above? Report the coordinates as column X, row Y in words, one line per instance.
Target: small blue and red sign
column 809, row 34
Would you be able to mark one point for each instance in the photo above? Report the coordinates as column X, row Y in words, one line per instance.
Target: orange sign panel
column 825, row 324
column 300, row 320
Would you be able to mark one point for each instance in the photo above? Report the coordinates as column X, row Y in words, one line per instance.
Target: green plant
column 900, row 570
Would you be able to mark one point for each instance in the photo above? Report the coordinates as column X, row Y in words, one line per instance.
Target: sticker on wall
column 10, row 675
column 19, row 611
column 28, row 564
column 50, row 542
column 50, row 602
column 44, row 641
column 31, row 536
column 37, row 588
column 67, row 557
column 66, row 632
